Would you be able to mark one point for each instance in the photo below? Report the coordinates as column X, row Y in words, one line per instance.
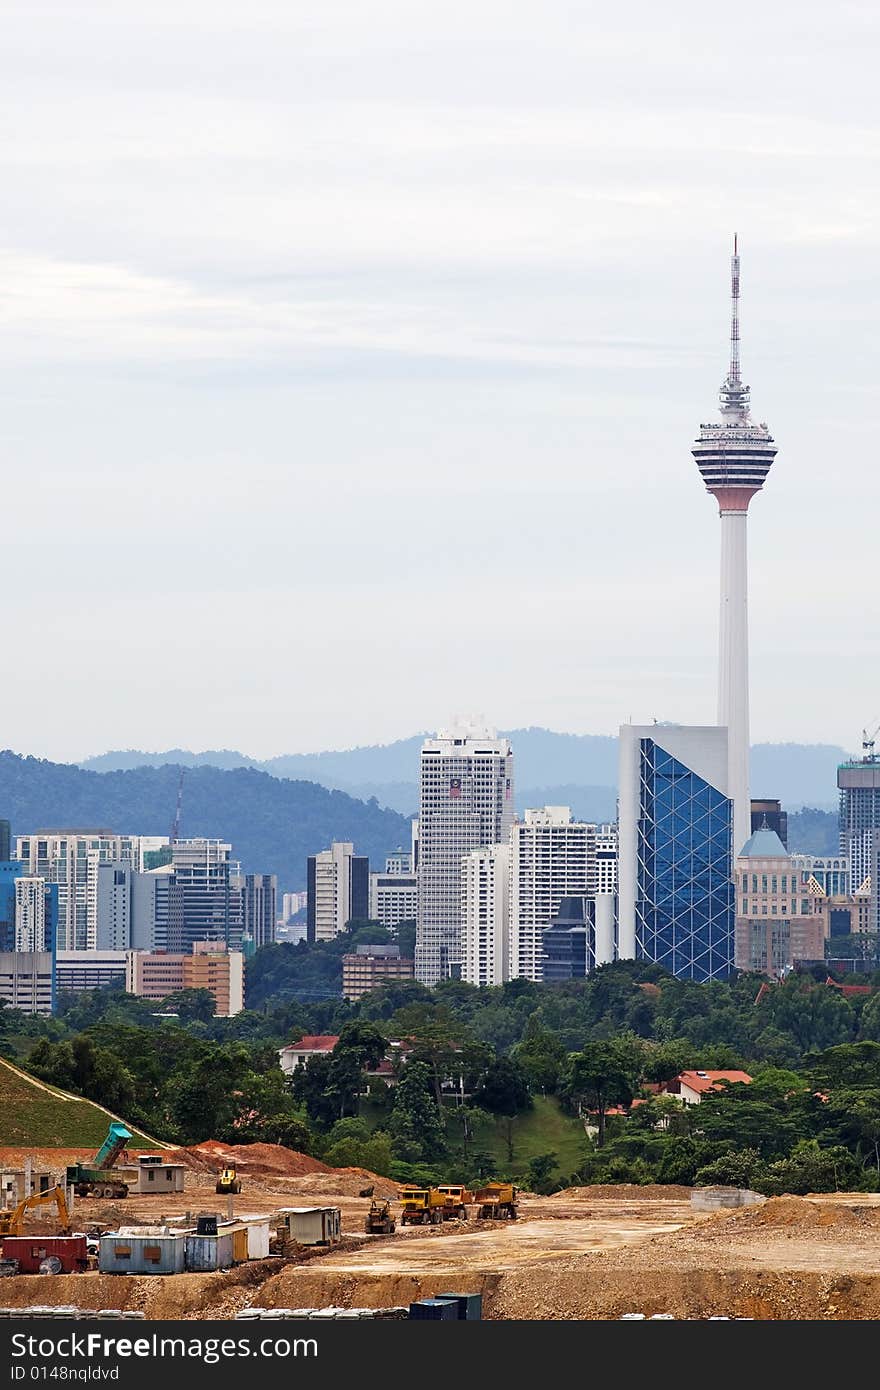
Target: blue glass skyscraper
column 676, row 895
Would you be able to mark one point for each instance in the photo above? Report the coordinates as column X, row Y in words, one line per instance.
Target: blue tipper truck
column 96, row 1178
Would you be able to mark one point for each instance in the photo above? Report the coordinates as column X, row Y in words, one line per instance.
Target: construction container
column 312, row 1225
column 207, row 1253
column 435, row 1310
column 159, row 1177
column 161, row 1253
column 257, row 1237
column 30, row 1251
column 470, row 1305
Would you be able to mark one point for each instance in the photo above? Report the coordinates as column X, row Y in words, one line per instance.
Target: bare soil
column 589, row 1253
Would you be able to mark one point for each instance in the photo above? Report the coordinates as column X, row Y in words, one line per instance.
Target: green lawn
column 544, row 1129
column 46, row 1119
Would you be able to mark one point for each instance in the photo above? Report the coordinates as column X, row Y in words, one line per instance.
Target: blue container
column 435, row 1310
column 470, row 1305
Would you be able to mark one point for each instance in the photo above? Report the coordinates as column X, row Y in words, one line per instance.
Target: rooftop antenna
column 734, row 312
column 175, row 824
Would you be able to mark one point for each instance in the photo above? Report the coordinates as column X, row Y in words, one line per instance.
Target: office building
column 338, row 890
column 81, row 970
column 781, row 916
column 400, row 862
column 769, row 813
column 208, row 965
column 465, row 803
column 5, row 841
column 394, row 894
column 552, row 857
column 675, row 869
column 734, row 458
column 28, row 910
column 485, row 877
column 858, row 783
column 71, row 859
column 27, row 981
column 568, row 943
column 293, row 903
column 260, row 908
column 367, row 967
column 205, row 901
column 606, row 859
column 828, row 874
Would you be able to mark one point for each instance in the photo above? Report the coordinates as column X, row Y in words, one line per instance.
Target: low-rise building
column 781, row 914
column 156, row 974
column 297, row 1054
column 80, row 970
column 692, row 1086
column 370, row 966
column 27, row 981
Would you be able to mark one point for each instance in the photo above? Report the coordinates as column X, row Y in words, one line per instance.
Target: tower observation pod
column 734, row 458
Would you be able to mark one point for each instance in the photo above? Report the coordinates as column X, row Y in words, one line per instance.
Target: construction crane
column 868, row 740
column 11, row 1222
column 175, row 824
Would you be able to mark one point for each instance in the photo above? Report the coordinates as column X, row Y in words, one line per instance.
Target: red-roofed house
column 693, row 1085
column 298, row 1053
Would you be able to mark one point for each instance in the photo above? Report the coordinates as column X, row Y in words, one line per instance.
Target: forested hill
column 272, row 824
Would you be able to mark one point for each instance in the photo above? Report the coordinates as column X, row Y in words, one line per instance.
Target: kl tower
column 734, row 458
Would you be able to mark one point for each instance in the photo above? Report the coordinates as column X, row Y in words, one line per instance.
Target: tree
column 364, row 1041
column 416, row 1127
column 504, row 1091
column 541, row 1054
column 540, row 1168
column 734, row 1169
column 603, row 1074
column 191, row 1005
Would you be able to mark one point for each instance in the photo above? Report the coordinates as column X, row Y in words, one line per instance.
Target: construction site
column 338, row 1237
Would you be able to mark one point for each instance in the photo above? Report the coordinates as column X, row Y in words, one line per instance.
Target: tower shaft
column 733, row 666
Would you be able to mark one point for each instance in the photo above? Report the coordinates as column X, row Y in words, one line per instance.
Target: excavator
column 95, row 1179
column 12, row 1221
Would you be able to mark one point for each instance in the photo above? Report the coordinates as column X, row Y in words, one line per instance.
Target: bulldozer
column 496, row 1201
column 379, row 1220
column 228, row 1181
column 12, row 1221
column 95, row 1179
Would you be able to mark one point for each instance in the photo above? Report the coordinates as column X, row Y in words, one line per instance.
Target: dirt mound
column 625, row 1192
column 269, row 1160
column 345, row 1182
column 799, row 1212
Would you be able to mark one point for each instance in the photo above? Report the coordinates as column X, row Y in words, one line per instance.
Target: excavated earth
column 588, row 1253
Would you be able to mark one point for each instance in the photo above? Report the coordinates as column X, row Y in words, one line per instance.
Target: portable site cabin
column 140, row 1250
column 155, row 1176
column 257, row 1236
column 312, row 1225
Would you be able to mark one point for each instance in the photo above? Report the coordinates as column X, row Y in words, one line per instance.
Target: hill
column 273, row 824
column 579, row 770
column 42, row 1117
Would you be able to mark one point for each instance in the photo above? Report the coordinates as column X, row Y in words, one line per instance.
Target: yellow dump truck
column 421, row 1206
column 496, row 1201
column 456, row 1200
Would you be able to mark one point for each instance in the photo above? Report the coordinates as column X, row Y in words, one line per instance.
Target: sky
column 351, row 356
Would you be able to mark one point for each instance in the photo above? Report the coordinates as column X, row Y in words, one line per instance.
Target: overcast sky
column 351, row 354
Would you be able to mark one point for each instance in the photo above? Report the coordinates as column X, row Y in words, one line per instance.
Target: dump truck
column 421, row 1206
column 496, row 1201
column 456, row 1200
column 228, row 1181
column 95, row 1179
column 12, row 1222
column 379, row 1220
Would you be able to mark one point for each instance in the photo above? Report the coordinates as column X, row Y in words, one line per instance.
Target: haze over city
column 352, row 361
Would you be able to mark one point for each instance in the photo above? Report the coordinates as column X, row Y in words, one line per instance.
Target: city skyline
column 325, row 297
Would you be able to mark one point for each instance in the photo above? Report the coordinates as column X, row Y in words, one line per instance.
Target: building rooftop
column 314, row 1042
column 702, row 1081
column 764, row 844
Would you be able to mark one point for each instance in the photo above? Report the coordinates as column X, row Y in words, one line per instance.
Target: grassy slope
column 545, row 1129
column 32, row 1115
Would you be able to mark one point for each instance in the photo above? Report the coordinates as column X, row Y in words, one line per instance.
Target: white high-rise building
column 71, row 858
column 338, row 890
column 30, row 915
column 485, row 875
column 551, row 857
column 394, row 895
column 734, row 458
column 465, row 803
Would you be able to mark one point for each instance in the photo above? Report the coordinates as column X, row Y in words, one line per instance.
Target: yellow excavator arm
column 12, row 1221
